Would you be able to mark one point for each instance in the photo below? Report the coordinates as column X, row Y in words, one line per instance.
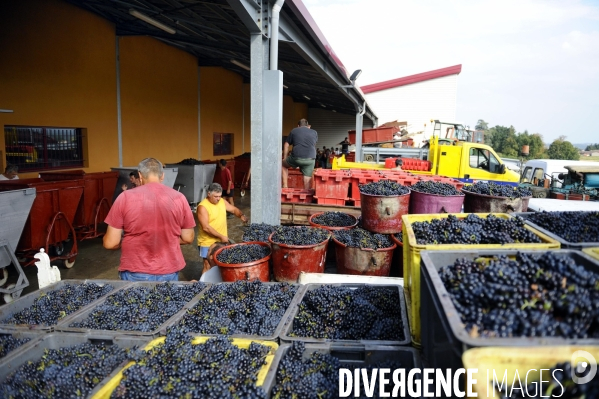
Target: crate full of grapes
column 491, row 298
column 573, row 230
column 350, row 314
column 454, row 232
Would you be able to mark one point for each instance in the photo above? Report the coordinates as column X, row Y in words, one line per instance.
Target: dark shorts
column 230, row 193
column 306, row 165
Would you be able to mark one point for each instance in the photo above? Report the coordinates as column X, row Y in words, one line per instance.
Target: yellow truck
column 466, row 161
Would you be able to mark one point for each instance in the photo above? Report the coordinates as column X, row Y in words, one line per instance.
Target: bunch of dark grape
column 367, row 312
column 571, row 226
column 316, row 376
column 8, row 343
column 546, row 295
column 473, row 230
column 303, row 376
column 64, row 373
column 398, row 236
column 334, row 219
column 238, row 254
column 498, row 190
column 360, row 238
column 557, row 383
column 300, row 235
column 190, row 161
column 385, row 188
column 435, row 187
column 241, row 307
column 140, row 308
column 179, row 368
column 258, row 232
column 52, row 306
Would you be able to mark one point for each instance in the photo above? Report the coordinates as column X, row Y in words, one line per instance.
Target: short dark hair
column 303, row 122
column 11, row 168
column 134, row 174
column 398, row 162
column 223, row 162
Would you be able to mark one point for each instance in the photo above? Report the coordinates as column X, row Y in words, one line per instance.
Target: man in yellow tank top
column 212, row 215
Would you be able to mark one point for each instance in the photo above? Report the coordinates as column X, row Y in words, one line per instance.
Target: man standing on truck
column 303, row 139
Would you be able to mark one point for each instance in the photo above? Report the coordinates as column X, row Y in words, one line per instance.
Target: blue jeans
column 130, row 276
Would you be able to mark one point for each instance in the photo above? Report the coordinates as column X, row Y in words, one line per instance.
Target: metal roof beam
column 288, row 31
column 250, row 13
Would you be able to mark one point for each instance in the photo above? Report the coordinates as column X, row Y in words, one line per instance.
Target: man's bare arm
column 187, row 236
column 112, row 238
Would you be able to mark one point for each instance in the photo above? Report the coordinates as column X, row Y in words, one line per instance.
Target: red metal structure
column 50, row 222
column 96, row 200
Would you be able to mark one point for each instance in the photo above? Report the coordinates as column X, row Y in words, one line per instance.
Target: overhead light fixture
column 322, row 105
column 334, row 110
column 355, row 75
column 285, row 87
column 152, row 21
column 6, row 111
column 307, row 98
column 241, row 65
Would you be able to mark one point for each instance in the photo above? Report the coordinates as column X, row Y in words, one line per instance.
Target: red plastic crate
column 374, row 135
column 297, row 195
column 330, row 201
column 331, row 183
column 415, row 164
column 295, row 179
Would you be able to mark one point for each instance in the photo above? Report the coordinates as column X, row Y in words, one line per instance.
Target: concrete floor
column 95, row 262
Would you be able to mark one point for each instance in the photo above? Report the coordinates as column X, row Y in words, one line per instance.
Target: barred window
column 223, row 144
column 34, row 148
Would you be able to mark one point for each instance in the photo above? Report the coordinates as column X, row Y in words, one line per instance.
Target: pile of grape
column 334, row 219
column 300, row 235
column 333, row 312
column 258, row 232
column 559, row 384
column 497, row 190
column 360, row 238
column 302, row 376
column 546, row 295
column 8, row 343
column 385, row 188
column 399, row 236
column 190, row 161
column 64, row 373
column 178, row 369
column 52, row 306
column 238, row 254
column 240, row 308
column 473, row 230
column 571, row 226
column 435, row 187
column 140, row 308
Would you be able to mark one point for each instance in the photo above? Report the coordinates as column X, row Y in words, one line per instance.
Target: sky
column 531, row 64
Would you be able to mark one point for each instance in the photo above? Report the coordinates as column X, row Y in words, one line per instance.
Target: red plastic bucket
column 363, row 261
column 480, row 203
column 331, row 254
column 382, row 214
column 288, row 261
column 257, row 269
column 433, row 203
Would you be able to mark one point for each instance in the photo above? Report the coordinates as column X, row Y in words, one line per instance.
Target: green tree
column 481, row 125
column 592, row 147
column 503, row 140
column 535, row 143
column 562, row 149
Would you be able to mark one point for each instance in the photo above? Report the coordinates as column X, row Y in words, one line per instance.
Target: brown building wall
column 57, row 68
column 159, row 101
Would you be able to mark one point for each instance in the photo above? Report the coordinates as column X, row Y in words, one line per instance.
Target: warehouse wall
column 159, row 101
column 57, row 68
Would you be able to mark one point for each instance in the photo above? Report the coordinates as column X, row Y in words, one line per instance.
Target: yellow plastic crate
column 106, row 390
column 594, row 252
column 521, row 359
column 411, row 258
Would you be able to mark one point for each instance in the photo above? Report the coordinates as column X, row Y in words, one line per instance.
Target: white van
column 545, row 168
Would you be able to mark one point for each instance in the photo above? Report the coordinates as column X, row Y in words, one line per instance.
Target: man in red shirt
column 223, row 177
column 155, row 220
